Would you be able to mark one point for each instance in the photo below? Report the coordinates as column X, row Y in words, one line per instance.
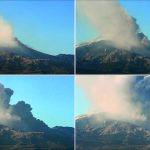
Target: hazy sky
column 139, row 9
column 51, row 97
column 47, row 26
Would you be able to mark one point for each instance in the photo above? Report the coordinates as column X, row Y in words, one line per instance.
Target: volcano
column 24, row 60
column 28, row 132
column 57, row 138
column 98, row 132
column 102, row 57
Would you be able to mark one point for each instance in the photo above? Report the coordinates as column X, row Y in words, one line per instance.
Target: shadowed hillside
column 24, row 60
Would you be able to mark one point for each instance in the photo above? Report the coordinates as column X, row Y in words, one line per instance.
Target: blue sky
column 136, row 8
column 47, row 26
column 51, row 97
column 83, row 105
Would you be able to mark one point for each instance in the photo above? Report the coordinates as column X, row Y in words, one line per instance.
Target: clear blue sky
column 82, row 104
column 47, row 26
column 140, row 9
column 51, row 97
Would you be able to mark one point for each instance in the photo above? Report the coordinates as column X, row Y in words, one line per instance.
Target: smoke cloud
column 18, row 116
column 112, row 22
column 6, row 34
column 6, row 116
column 113, row 95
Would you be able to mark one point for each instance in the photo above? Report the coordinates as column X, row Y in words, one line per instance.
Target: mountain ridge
column 102, row 57
column 95, row 133
column 12, row 139
column 24, row 60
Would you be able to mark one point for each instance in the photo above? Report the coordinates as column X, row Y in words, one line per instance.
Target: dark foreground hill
column 59, row 138
column 24, row 60
column 97, row 133
column 101, row 57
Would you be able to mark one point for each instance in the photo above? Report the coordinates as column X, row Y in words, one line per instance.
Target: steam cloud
column 112, row 22
column 18, row 116
column 6, row 34
column 113, row 95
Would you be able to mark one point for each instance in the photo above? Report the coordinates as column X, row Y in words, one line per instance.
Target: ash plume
column 18, row 116
column 6, row 115
column 113, row 95
column 112, row 22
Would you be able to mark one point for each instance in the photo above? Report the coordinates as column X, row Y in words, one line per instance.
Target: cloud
column 112, row 21
column 6, row 34
column 112, row 95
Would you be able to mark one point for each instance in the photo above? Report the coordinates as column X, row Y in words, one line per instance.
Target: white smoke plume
column 6, row 34
column 6, row 115
column 112, row 95
column 112, row 21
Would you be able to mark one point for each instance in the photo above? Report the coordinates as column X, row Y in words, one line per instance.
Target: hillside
column 102, row 57
column 25, row 60
column 95, row 132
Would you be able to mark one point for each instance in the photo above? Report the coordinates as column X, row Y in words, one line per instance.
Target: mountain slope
column 97, row 133
column 15, row 140
column 23, row 50
column 22, row 59
column 102, row 57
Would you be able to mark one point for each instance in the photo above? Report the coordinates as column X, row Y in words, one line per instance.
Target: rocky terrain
column 97, row 132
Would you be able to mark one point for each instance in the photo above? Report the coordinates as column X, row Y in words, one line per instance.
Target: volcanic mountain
column 24, row 60
column 20, row 130
column 57, row 138
column 102, row 57
column 98, row 132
